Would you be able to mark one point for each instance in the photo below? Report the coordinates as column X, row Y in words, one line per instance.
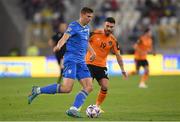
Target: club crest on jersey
column 69, row 71
column 110, row 43
column 69, row 29
column 86, row 37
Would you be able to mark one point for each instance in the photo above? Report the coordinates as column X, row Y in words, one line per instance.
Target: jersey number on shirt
column 103, row 45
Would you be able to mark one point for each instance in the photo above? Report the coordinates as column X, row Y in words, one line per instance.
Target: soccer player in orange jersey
column 142, row 47
column 103, row 42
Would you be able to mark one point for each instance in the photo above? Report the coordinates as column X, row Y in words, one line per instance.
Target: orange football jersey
column 143, row 47
column 102, row 45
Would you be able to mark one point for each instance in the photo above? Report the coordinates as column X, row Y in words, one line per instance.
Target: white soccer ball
column 93, row 111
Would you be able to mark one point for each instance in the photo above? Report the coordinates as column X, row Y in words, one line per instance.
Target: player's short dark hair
column 110, row 19
column 85, row 10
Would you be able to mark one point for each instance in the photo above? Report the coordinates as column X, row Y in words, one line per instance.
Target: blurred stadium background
column 32, row 22
column 27, row 25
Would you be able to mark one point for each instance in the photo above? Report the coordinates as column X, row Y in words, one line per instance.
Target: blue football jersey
column 76, row 46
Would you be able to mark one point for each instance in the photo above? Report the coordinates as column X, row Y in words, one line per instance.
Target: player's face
column 150, row 33
column 87, row 17
column 108, row 27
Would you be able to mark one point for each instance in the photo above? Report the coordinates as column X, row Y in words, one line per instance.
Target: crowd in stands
column 44, row 17
column 132, row 16
column 44, row 11
column 158, row 12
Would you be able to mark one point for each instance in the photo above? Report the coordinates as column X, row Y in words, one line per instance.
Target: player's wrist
column 123, row 71
column 58, row 46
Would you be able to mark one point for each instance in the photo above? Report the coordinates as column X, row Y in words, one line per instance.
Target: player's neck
column 81, row 22
column 106, row 34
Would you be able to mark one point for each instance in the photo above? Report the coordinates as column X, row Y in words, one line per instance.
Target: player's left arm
column 119, row 59
column 93, row 53
column 152, row 49
column 121, row 64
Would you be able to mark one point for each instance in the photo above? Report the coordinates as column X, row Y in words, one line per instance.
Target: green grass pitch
column 125, row 101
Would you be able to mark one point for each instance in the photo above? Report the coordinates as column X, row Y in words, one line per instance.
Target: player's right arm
column 61, row 42
column 152, row 49
column 69, row 32
column 121, row 64
column 93, row 53
column 136, row 45
column 116, row 51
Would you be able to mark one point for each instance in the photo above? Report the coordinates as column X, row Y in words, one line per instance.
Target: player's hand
column 55, row 49
column 92, row 57
column 124, row 74
column 154, row 53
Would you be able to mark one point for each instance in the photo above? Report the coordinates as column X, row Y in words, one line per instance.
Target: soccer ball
column 93, row 111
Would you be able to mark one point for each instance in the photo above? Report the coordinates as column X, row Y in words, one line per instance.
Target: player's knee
column 89, row 88
column 104, row 88
column 146, row 72
column 67, row 90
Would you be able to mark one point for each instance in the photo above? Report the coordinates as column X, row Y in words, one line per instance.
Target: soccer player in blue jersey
column 76, row 39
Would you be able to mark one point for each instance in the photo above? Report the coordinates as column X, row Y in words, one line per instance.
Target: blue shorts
column 75, row 70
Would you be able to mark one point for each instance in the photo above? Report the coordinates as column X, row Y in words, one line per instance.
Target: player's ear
column 81, row 15
column 104, row 24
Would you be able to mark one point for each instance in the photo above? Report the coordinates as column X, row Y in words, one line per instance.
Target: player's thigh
column 69, row 70
column 146, row 66
column 101, row 73
column 101, row 76
column 82, row 71
column 104, row 83
column 146, row 69
column 91, row 70
column 137, row 64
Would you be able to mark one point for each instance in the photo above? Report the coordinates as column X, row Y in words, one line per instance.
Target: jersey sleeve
column 115, row 47
column 71, row 30
column 98, row 31
column 139, row 41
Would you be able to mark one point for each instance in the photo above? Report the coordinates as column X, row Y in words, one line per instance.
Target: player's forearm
column 62, row 41
column 120, row 62
column 93, row 53
column 60, row 44
column 91, row 49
